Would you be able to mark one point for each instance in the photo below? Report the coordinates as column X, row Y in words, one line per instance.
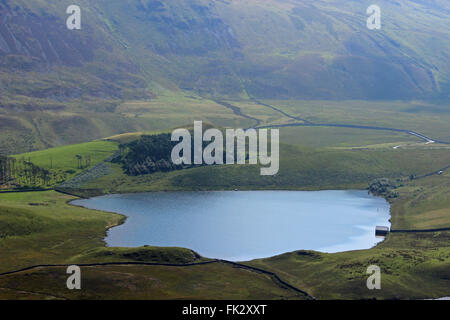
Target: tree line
column 22, row 172
column 146, row 155
column 152, row 153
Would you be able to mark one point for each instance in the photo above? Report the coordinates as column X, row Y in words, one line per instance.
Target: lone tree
column 79, row 159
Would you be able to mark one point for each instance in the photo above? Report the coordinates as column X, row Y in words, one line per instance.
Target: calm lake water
column 245, row 225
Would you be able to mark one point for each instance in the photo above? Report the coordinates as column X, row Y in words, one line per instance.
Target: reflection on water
column 247, row 224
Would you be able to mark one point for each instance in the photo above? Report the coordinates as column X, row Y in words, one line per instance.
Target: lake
column 244, row 225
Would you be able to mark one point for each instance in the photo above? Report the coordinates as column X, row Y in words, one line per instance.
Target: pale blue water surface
column 244, row 225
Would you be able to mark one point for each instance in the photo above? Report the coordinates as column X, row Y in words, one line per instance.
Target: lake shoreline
column 228, row 192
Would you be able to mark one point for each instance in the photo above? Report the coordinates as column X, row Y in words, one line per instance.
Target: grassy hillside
column 424, row 204
column 49, row 167
column 300, row 168
column 429, row 118
column 64, row 158
column 407, row 270
column 42, row 228
column 316, row 158
column 62, row 86
column 295, row 49
column 216, row 281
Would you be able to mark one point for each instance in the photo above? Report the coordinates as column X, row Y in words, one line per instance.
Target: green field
column 59, row 164
column 428, row 118
column 171, row 110
column 300, row 169
column 42, row 228
column 343, row 137
column 64, row 158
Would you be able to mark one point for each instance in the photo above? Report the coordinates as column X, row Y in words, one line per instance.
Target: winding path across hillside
column 278, row 110
column 307, row 123
column 237, row 111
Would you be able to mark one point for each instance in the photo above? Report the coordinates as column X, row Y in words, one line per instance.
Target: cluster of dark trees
column 383, row 187
column 5, row 170
column 23, row 172
column 148, row 154
column 151, row 154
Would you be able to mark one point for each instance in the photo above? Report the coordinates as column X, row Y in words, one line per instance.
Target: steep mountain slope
column 322, row 49
column 290, row 49
column 284, row 48
column 60, row 86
